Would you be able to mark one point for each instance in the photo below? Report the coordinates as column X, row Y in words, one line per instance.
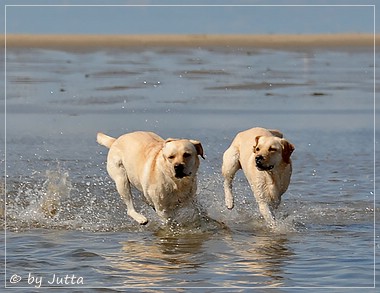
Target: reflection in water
column 160, row 259
column 262, row 261
column 173, row 258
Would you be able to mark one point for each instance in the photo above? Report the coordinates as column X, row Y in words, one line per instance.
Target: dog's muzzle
column 260, row 165
column 179, row 171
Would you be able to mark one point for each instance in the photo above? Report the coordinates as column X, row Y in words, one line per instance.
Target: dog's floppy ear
column 198, row 147
column 170, row 139
column 276, row 132
column 256, row 143
column 287, row 150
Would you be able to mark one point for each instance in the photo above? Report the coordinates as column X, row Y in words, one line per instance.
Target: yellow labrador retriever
column 264, row 156
column 163, row 170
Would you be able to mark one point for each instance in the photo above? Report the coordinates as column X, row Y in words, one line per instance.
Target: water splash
column 59, row 200
column 32, row 202
column 57, row 187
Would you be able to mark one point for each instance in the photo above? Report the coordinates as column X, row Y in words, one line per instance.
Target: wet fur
column 163, row 170
column 264, row 157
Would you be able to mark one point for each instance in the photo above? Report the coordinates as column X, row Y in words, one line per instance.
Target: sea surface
column 65, row 225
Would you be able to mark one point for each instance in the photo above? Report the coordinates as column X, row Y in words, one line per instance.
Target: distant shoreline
column 127, row 41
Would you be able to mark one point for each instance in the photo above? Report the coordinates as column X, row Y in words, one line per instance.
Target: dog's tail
column 105, row 140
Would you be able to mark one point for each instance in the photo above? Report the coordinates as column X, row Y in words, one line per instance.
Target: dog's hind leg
column 123, row 187
column 230, row 166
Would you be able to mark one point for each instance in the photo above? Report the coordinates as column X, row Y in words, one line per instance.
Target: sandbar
column 78, row 42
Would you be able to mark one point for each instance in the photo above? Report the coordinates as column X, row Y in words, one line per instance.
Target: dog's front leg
column 163, row 214
column 264, row 207
column 230, row 166
column 228, row 196
column 267, row 213
column 155, row 199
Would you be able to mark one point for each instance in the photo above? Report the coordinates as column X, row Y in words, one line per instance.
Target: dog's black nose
column 179, row 170
column 259, row 159
column 179, row 167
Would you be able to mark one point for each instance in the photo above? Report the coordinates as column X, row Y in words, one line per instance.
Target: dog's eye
column 186, row 155
column 171, row 157
column 272, row 149
column 257, row 149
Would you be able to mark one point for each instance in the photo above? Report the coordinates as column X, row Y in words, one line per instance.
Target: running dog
column 163, row 170
column 264, row 157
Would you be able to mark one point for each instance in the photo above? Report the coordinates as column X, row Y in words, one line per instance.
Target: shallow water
column 66, row 226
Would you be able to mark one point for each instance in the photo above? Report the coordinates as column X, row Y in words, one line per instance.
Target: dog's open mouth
column 181, row 175
column 262, row 167
column 260, row 164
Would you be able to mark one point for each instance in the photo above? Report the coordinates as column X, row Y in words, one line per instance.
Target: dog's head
column 271, row 151
column 181, row 156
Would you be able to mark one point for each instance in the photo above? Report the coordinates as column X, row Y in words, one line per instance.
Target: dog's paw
column 229, row 202
column 138, row 218
column 141, row 220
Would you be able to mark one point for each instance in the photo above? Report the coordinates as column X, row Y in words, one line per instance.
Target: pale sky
column 302, row 19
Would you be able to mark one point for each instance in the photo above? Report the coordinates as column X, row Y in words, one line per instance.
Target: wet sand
column 125, row 41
